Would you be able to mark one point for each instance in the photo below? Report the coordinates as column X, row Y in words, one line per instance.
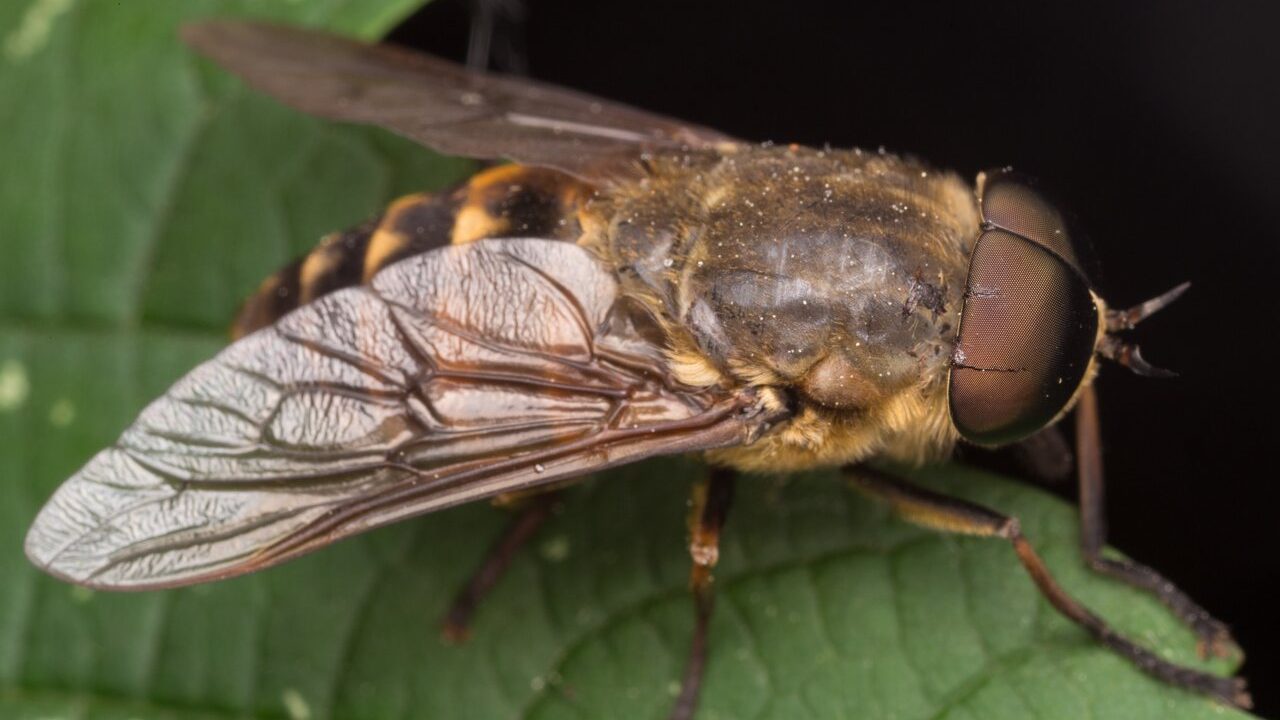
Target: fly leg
column 496, row 39
column 1045, row 456
column 1212, row 637
column 528, row 519
column 708, row 509
column 941, row 512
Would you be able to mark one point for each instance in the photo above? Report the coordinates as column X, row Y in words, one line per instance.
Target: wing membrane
column 456, row 375
column 440, row 104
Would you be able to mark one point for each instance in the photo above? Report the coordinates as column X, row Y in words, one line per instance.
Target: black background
column 1156, row 124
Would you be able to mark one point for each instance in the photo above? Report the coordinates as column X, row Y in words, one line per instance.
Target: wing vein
column 531, row 391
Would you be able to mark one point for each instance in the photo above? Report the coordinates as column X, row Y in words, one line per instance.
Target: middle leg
column 709, row 506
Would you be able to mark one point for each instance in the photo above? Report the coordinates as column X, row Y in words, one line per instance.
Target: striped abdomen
column 505, row 201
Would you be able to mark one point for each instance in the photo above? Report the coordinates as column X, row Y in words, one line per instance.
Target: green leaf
column 144, row 194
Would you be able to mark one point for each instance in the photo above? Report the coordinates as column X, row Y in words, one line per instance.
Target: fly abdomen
column 504, row 201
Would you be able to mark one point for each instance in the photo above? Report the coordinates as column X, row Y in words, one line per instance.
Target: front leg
column 949, row 514
column 1212, row 637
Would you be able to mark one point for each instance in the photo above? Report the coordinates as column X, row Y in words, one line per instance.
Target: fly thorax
column 843, row 288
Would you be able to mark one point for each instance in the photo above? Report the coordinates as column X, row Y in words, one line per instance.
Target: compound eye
column 1027, row 330
column 1009, row 202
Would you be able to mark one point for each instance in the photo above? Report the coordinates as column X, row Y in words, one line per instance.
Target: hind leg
column 522, row 528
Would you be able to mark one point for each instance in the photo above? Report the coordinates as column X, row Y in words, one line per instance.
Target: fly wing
column 440, row 104
column 455, row 375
